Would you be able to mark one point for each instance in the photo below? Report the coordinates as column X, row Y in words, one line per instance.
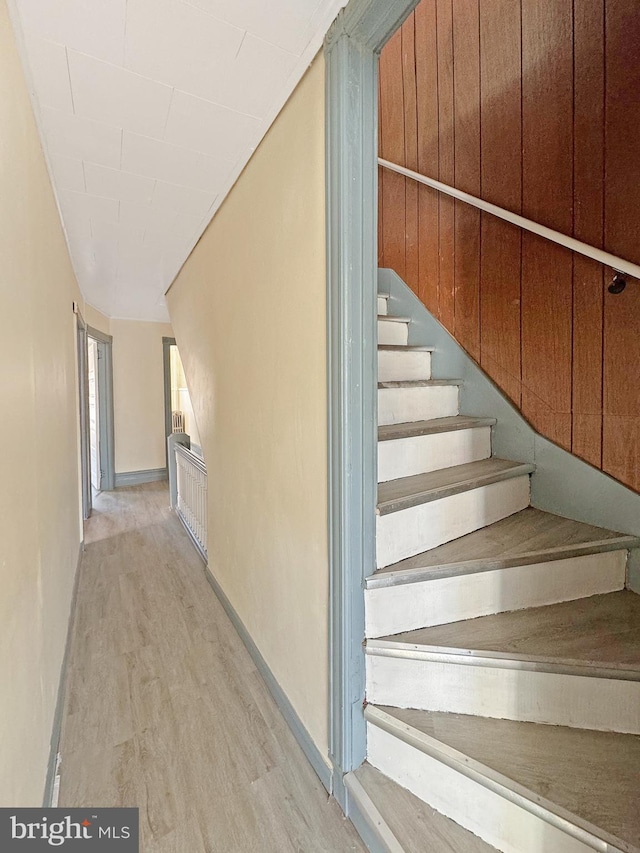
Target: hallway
column 165, row 709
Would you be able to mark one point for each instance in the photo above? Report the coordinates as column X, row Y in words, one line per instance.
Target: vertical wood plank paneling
column 410, row 151
column 428, row 159
column 621, row 428
column 532, row 105
column 391, row 111
column 547, row 194
column 466, row 72
column 446, row 148
column 588, row 174
column 501, row 137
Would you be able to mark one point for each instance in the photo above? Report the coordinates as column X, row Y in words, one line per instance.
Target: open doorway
column 95, row 375
column 179, row 414
column 94, row 417
column 100, row 410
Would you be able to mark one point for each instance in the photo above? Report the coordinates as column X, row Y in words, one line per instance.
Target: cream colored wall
column 96, row 319
column 248, row 311
column 138, row 391
column 39, row 505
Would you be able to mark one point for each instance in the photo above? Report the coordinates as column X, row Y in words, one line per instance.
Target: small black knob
column 618, row 284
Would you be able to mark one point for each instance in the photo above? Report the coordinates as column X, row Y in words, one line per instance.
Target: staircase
column 502, row 651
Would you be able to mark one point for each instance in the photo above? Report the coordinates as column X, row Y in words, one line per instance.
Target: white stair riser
column 419, row 403
column 410, row 531
column 391, row 332
column 419, row 454
column 399, row 366
column 382, row 304
column 500, row 822
column 393, row 609
column 485, row 690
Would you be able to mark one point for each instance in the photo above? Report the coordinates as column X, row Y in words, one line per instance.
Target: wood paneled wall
column 533, row 105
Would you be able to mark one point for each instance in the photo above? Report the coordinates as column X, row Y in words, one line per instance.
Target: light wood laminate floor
column 165, row 709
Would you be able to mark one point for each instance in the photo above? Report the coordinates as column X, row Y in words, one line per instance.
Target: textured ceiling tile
column 48, row 64
column 77, row 227
column 68, row 173
column 81, row 138
column 255, row 79
column 178, row 44
column 212, row 129
column 182, row 199
column 117, row 96
column 91, row 206
column 172, row 164
column 113, row 234
column 178, row 232
column 112, row 183
column 95, row 27
column 134, row 215
column 148, row 110
column 288, row 29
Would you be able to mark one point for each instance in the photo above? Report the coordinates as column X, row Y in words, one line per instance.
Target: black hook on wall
column 618, row 284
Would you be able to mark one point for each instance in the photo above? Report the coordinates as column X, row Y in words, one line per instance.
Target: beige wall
column 138, row 391
column 96, row 319
column 39, row 507
column 248, row 311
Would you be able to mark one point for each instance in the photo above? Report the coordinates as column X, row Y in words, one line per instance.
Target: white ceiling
column 148, row 111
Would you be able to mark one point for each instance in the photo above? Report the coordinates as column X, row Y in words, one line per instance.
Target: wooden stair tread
column 418, row 489
column 528, row 536
column 599, row 631
column 392, row 319
column 418, row 383
column 589, row 776
column 404, row 348
column 391, row 432
column 416, row 826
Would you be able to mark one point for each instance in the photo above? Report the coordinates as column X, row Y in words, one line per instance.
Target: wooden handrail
column 618, row 264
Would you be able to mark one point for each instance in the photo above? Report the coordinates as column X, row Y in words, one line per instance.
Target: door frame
column 167, row 343
column 105, row 407
column 352, row 50
column 83, row 401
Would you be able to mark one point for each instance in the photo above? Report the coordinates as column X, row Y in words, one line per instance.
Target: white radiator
column 177, row 421
column 192, row 495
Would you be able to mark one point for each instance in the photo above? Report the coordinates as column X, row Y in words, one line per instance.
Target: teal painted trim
column 562, row 483
column 167, row 343
column 351, row 50
column 136, row 478
column 313, row 754
column 56, row 728
column 364, row 828
column 202, row 553
column 371, row 826
column 566, row 485
column 83, row 399
column 105, row 403
column 107, row 428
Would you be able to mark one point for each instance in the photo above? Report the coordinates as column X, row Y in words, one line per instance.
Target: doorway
column 95, row 375
column 94, row 417
column 100, row 405
column 352, row 49
column 178, row 411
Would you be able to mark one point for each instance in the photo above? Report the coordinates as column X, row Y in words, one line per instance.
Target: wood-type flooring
column 165, row 709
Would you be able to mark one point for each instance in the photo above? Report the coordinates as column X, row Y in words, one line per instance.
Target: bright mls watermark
column 79, row 830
